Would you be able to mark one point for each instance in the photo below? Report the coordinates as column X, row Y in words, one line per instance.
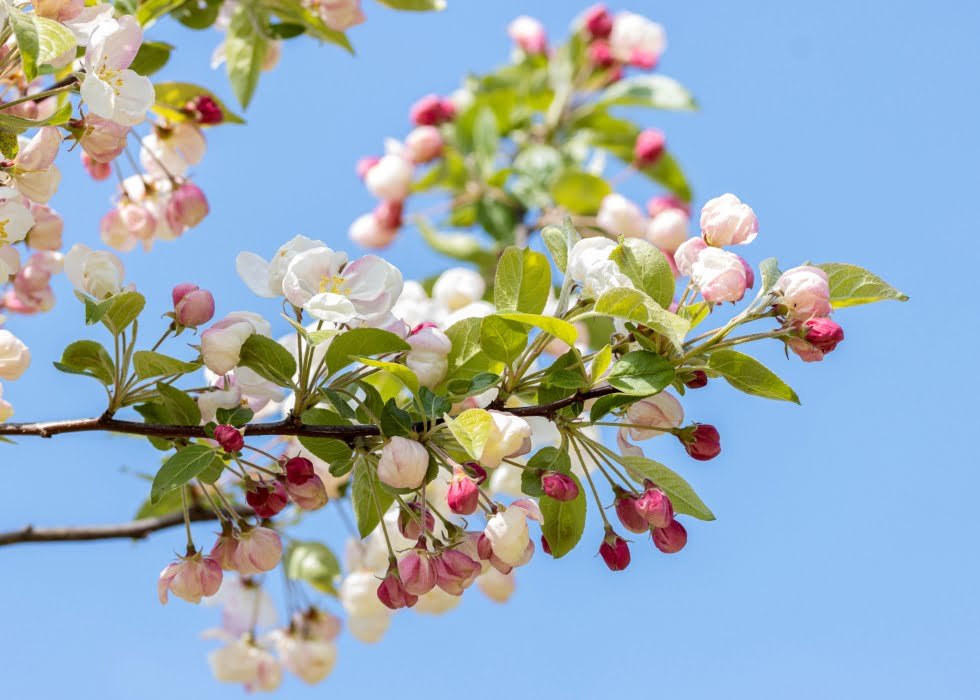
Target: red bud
column 670, row 539
column 614, row 551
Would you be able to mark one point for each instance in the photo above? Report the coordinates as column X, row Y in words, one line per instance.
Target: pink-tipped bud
column 418, row 571
column 558, row 486
column 187, row 207
column 670, row 539
column 392, row 591
column 204, row 110
column 410, row 521
column 628, row 515
column 310, row 495
column 364, row 164
column 299, row 470
column 258, row 550
column 191, row 578
column 823, row 334
column 193, row 306
column 661, row 203
column 703, row 442
column 529, row 35
column 463, row 495
column 424, row 144
column 455, row 571
column 654, row 507
column 432, row 110
column 388, row 214
column 600, row 55
column 229, row 437
column 614, row 551
column 267, row 498
column 223, row 551
column 649, row 147
column 95, row 169
column 699, row 380
column 597, row 22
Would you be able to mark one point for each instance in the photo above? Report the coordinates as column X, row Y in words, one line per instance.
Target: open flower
column 15, row 358
column 321, row 281
column 264, row 277
column 637, row 40
column 34, row 173
column 98, row 273
column 191, row 578
column 15, row 218
column 110, row 89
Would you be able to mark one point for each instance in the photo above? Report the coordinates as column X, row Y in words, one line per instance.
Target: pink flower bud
column 191, row 578
column 258, row 550
column 649, row 146
column 229, row 437
column 703, row 442
column 627, row 512
column 47, row 229
column 410, row 523
column 668, row 230
column 101, row 138
column 597, row 22
column 223, row 551
column 403, row 463
column 699, row 380
column 367, row 231
column 392, row 592
column 423, row 144
column 600, row 55
column 204, row 110
column 558, row 486
column 687, row 254
column 390, row 178
column 364, row 164
column 432, row 110
column 823, row 334
column 725, row 220
column 310, row 495
column 654, row 507
column 614, row 551
column 299, row 470
column 428, row 358
column 720, row 275
column 418, row 570
column 96, row 170
column 389, row 214
column 529, row 35
column 670, row 539
column 187, row 207
column 663, row 202
column 455, row 571
column 463, row 495
column 193, row 306
column 318, row 624
column 267, row 498
column 804, row 291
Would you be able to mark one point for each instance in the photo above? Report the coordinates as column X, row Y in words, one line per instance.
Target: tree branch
column 289, row 426
column 137, row 529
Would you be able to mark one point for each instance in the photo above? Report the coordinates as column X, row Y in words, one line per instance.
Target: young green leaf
column 268, row 359
column 641, row 373
column 314, row 563
column 88, row 358
column 154, row 364
column 633, row 305
column 647, row 268
column 362, row 342
column 563, row 330
column 182, row 408
column 25, row 32
column 245, row 49
column 579, row 192
column 502, row 340
column 180, row 468
column 747, row 374
column 471, row 429
column 656, row 91
column 523, row 281
column 123, row 309
column 368, row 499
column 851, row 285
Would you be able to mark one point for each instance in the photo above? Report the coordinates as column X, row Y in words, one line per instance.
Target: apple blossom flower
column 101, row 139
column 47, row 229
column 662, row 202
column 719, row 275
column 369, row 629
column 597, row 22
column 339, row 15
column 9, row 262
column 804, row 291
column 204, row 110
column 110, row 89
column 702, row 442
column 529, row 35
column 173, row 149
column 193, row 306
column 15, row 358
column 590, row 267
column 126, row 225
column 264, row 277
column 670, row 539
column 304, row 485
column 186, row 207
column 649, row 146
column 725, row 220
column 668, row 230
column 31, row 289
column 191, row 578
column 423, row 144
column 636, row 40
column 496, row 586
column 627, row 512
column 464, row 495
column 59, row 10
column 614, row 551
column 507, row 534
column 687, row 254
column 558, row 486
column 417, row 569
column 403, row 463
column 455, row 571
column 432, row 110
column 33, row 172
column 509, row 436
column 428, row 358
column 390, row 177
column 359, row 594
column 15, row 218
column 331, row 289
column 660, row 413
column 221, row 344
column 389, row 214
column 458, row 287
column 317, row 624
column 243, row 661
column 97, row 273
column 259, row 549
column 267, row 498
column 621, row 217
column 311, row 660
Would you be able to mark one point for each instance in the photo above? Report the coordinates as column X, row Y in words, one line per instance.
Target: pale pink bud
column 507, row 534
column 367, row 232
column 389, row 214
column 190, row 578
column 804, row 291
column 390, row 178
column 601, row 55
column 662, row 202
column 719, row 275
column 15, row 358
column 101, row 138
column 364, row 164
column 687, row 254
column 258, row 550
column 310, row 495
column 558, row 486
column 423, row 144
column 193, row 306
column 432, row 110
column 223, row 551
column 455, row 571
column 621, row 217
column 659, row 413
column 418, row 571
column 267, row 499
column 96, row 170
column 649, row 147
column 187, row 207
column 668, row 230
column 428, row 358
column 725, row 220
column 820, row 336
column 614, row 551
column 637, row 40
column 318, row 624
column 463, row 495
column 403, row 463
column 410, row 521
column 47, row 229
column 654, row 507
column 529, row 35
column 670, row 539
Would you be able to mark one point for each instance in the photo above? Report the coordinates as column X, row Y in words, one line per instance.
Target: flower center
column 333, row 284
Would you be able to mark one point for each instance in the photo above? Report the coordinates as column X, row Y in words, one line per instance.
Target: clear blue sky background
column 844, row 558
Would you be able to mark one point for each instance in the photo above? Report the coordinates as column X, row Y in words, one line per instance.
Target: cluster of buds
column 650, row 511
column 803, row 302
column 298, row 482
column 617, row 41
column 389, row 177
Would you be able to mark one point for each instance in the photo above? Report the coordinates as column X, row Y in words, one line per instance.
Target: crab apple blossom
column 428, row 358
column 725, row 220
column 698, row 380
column 636, row 40
column 687, row 254
column 670, row 539
column 654, row 507
column 657, row 414
column 458, row 287
column 590, row 267
column 15, row 218
column 804, row 291
column 34, row 174
column 110, row 89
column 229, row 437
column 614, row 551
column 403, row 463
column 413, row 522
column 172, row 150
column 392, row 591
column 98, row 273
column 390, row 178
column 558, row 486
column 528, row 34
column 820, row 336
column 221, row 344
column 193, row 306
column 15, row 358
column 259, row 549
column 417, row 569
column 455, row 571
column 621, row 217
column 423, row 144
column 496, row 586
column 507, row 534
column 359, row 594
column 627, row 512
column 204, row 110
column 242, row 661
column 125, row 226
column 596, row 21
column 509, row 436
column 720, row 275
column 309, row 494
column 186, row 207
column 464, row 495
column 265, row 277
column 96, row 170
column 267, row 498
column 649, row 146
column 310, row 660
column 46, row 234
column 224, row 548
column 702, row 442
column 191, row 578
column 432, row 110
column 322, row 282
column 668, row 230
column 600, row 55
column 662, row 202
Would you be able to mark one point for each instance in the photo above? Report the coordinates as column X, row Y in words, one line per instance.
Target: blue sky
column 844, row 557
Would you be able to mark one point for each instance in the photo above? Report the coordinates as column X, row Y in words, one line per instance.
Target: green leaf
column 123, row 309
column 88, row 358
column 54, row 40
column 181, row 406
column 172, row 98
column 314, row 563
column 497, row 218
column 8, row 144
column 25, row 31
column 634, row 305
column 656, row 91
column 647, row 268
column 554, row 240
column 180, row 468
column 523, row 281
column 151, row 57
column 154, row 364
column 564, row 521
column 580, row 192
column 368, row 499
column 501, row 339
column 466, row 358
column 667, row 172
column 641, row 373
column 17, row 125
column 563, row 330
column 292, row 11
column 400, row 372
column 471, row 429
column 747, row 374
column 605, row 404
column 485, row 139
column 600, row 363
column 851, row 285
column 197, row 14
column 396, row 421
column 170, row 503
column 330, row 450
column 245, row 50
column 433, row 405
column 362, row 342
column 268, row 359
column 152, row 10
column 238, row 416
column 680, row 493
column 415, row 5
